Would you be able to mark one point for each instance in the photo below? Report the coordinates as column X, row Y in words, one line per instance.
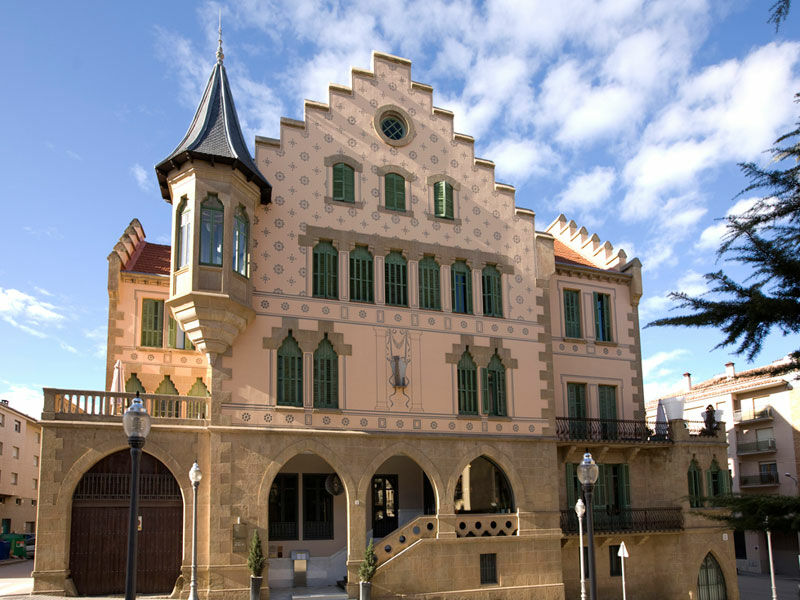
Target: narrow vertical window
column 361, row 289
column 461, row 287
column 488, row 568
column 396, row 279
column 152, row 323
column 325, row 267
column 576, row 410
column 443, row 200
column 607, row 405
column 494, row 388
column 343, row 183
column 572, row 314
column 211, row 227
column 395, row 191
column 317, row 508
column 467, row 385
column 602, row 317
column 429, row 287
column 695, row 478
column 184, row 234
column 241, row 233
column 326, row 375
column 176, row 338
column 290, row 373
column 492, row 292
column 283, row 500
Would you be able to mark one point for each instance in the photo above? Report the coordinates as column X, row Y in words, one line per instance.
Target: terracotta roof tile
column 765, row 372
column 565, row 254
column 150, row 258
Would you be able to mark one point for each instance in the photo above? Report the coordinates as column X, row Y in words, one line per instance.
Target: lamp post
column 580, row 509
column 587, row 475
column 195, row 475
column 136, row 423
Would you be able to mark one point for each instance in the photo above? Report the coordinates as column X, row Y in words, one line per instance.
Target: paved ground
column 15, row 577
column 759, row 587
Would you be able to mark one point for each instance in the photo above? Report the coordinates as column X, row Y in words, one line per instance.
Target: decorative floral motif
column 451, row 425
column 362, row 314
column 398, row 317
column 476, row 232
column 280, row 176
column 328, row 208
column 265, row 304
column 520, row 299
column 284, row 306
column 499, row 427
column 279, row 223
column 376, row 215
column 469, row 426
column 304, row 204
column 150, row 357
column 605, row 350
column 475, row 190
column 434, row 138
column 304, row 307
column 351, row 119
column 374, row 147
column 561, row 347
column 183, row 359
column 431, row 321
column 510, row 329
column 476, row 210
column 345, row 421
column 518, row 278
column 278, row 246
column 304, row 156
column 268, row 418
column 494, row 327
column 279, row 200
column 454, row 163
column 289, row 418
column 434, row 159
column 328, row 138
column 434, row 425
column 575, row 347
column 412, row 155
column 352, row 143
column 497, row 235
column 463, row 324
column 302, row 272
column 278, row 268
column 363, row 422
column 399, row 423
column 245, row 417
column 395, row 219
column 515, row 428
column 351, row 212
column 524, row 331
column 325, row 310
column 532, row 428
column 326, row 420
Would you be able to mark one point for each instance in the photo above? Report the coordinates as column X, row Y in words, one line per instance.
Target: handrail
column 627, row 519
column 82, row 403
column 611, row 430
column 757, row 446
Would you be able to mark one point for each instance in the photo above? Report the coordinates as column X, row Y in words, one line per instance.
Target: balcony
column 759, row 447
column 611, row 430
column 760, row 480
column 751, row 416
column 628, row 520
column 81, row 405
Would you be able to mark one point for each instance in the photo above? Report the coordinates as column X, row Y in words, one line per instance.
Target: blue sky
column 627, row 115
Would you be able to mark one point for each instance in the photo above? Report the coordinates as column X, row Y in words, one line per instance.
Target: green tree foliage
column 255, row 558
column 758, row 513
column 778, row 12
column 766, row 239
column 369, row 564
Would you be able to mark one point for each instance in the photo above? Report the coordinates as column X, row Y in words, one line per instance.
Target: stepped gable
column 136, row 255
column 575, row 246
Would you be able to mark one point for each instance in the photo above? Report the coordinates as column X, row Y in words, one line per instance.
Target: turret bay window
column 326, row 375
column 467, row 385
column 152, row 323
column 461, row 286
column 492, row 292
column 443, row 200
column 572, row 314
column 602, row 317
column 325, row 267
column 211, row 227
column 396, row 279
column 241, row 234
column 695, row 485
column 494, row 388
column 429, row 286
column 290, row 373
column 395, row 188
column 361, row 289
column 184, row 234
column 343, row 183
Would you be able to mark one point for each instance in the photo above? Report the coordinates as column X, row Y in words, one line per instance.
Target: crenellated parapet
column 588, row 245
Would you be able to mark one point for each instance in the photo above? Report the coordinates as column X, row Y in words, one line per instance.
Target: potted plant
column 366, row 571
column 255, row 562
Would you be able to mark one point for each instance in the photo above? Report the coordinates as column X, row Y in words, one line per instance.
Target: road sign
column 623, row 551
column 623, row 554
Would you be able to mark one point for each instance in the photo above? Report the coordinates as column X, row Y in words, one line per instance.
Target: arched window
column 711, row 581
column 429, row 287
column 211, row 226
column 343, row 183
column 184, row 234
column 198, row 389
column 361, row 289
column 461, row 286
column 196, row 409
column 325, row 266
column 133, row 385
column 326, row 375
column 494, row 388
column 443, row 200
column 467, row 385
column 166, row 407
column 695, row 485
column 492, row 293
column 396, row 279
column 290, row 373
column 241, row 234
column 395, row 192
column 483, row 488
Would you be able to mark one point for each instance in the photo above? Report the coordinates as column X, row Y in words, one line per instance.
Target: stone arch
column 723, row 567
column 502, row 460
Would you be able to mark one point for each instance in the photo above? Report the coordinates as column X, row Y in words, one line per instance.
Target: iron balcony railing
column 627, row 519
column 758, row 480
column 611, row 430
column 754, row 447
column 743, row 416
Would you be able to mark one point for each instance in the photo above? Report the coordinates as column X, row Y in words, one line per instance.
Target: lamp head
column 588, row 470
column 195, row 474
column 136, row 420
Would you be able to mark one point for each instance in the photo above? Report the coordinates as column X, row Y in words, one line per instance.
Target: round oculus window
column 393, row 128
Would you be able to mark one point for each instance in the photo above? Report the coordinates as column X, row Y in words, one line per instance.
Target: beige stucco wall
column 19, row 499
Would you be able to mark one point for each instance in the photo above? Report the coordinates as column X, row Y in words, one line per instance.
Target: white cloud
column 658, row 359
column 587, row 191
column 142, row 177
column 520, row 159
column 711, row 237
column 692, row 283
column 28, row 399
column 98, row 338
column 661, row 373
column 30, row 314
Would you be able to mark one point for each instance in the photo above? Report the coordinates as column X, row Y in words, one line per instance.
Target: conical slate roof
column 214, row 136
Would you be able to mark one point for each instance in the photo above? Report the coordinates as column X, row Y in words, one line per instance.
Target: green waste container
column 17, row 542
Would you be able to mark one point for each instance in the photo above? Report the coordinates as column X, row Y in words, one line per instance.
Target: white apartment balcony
column 759, row 447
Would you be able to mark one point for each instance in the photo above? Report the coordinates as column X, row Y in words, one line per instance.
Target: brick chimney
column 730, row 370
column 687, row 382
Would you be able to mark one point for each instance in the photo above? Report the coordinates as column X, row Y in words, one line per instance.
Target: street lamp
column 587, row 475
column 136, row 423
column 195, row 475
column 580, row 509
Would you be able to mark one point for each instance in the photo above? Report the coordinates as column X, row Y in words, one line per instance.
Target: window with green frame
column 166, row 407
column 718, row 481
column 429, row 287
column 361, row 288
column 576, row 410
column 396, row 279
column 152, row 323
column 184, row 234
column 461, row 287
column 134, row 385
column 492, row 292
column 572, row 314
column 325, row 267
column 695, row 477
column 326, row 375
column 602, row 317
column 343, row 183
column 176, row 338
column 611, row 498
column 494, row 387
column 241, row 233
column 212, row 216
column 467, row 385
column 607, row 405
column 290, row 373
column 443, row 200
column 395, row 188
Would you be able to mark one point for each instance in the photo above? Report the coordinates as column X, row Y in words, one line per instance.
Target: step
column 326, row 594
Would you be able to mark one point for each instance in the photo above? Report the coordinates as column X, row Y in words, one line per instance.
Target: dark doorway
column 384, row 505
column 428, row 497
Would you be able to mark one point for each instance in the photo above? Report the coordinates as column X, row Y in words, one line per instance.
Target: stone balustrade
column 426, row 526
column 84, row 405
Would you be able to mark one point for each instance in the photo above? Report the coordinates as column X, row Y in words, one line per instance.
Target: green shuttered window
column 325, row 266
column 572, row 314
column 211, row 227
column 326, row 375
column 492, row 293
column 695, row 478
column 361, row 289
column 176, row 338
column 443, row 199
column 343, row 183
column 396, row 279
column 612, row 492
column 467, row 385
column 290, row 373
column 395, row 191
column 429, row 288
column 602, row 317
column 461, row 287
column 152, row 323
column 494, row 387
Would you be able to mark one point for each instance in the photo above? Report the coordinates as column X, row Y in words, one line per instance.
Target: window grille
column 326, row 375
column 325, row 265
column 396, row 279
column 361, row 286
column 429, row 286
column 290, row 373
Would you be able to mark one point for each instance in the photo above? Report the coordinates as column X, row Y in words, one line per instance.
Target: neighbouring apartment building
column 20, row 444
column 359, row 335
column 761, row 407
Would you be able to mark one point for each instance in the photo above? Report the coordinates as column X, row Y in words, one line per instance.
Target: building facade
column 20, row 452
column 392, row 351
